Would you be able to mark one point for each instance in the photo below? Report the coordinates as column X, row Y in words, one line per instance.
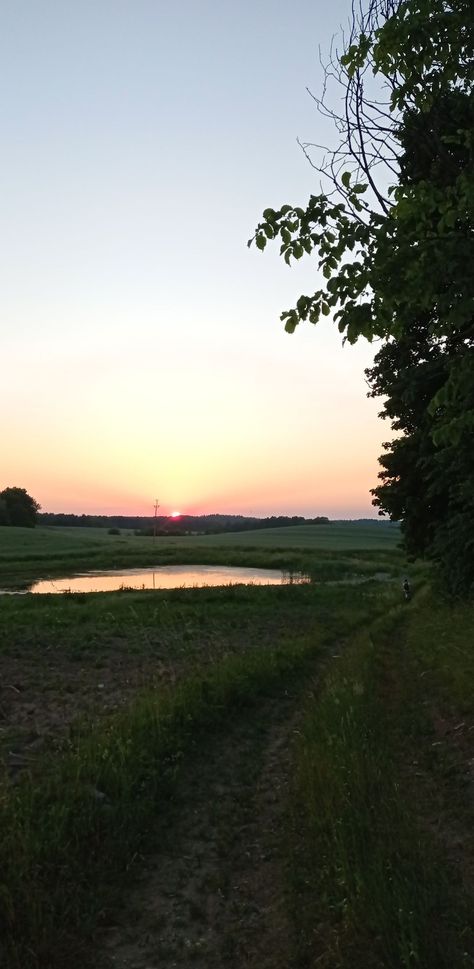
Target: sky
column 142, row 355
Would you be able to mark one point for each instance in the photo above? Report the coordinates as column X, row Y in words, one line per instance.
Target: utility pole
column 157, row 505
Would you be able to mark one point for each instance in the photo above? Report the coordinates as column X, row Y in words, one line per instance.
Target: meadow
column 48, row 551
column 263, row 776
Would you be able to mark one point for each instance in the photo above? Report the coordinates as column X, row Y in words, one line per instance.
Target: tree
column 17, row 507
column 394, row 241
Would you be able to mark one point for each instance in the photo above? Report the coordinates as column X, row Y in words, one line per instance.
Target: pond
column 161, row 577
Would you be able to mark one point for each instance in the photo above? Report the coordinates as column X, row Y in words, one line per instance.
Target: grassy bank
column 382, row 876
column 325, row 551
column 148, row 622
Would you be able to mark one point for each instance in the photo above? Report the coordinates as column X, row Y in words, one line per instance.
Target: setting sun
column 175, row 514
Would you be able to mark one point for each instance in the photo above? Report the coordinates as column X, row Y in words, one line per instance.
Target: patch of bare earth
column 42, row 697
column 45, row 690
column 213, row 894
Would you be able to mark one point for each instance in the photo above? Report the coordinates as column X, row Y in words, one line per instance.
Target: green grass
column 26, row 554
column 145, row 621
column 71, row 831
column 66, row 851
column 439, row 641
column 375, row 880
column 339, row 536
column 381, row 819
column 75, row 655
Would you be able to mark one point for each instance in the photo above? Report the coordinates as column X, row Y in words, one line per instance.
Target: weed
column 371, row 884
column 71, row 830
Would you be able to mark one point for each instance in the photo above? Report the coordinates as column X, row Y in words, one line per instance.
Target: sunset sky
column 142, row 353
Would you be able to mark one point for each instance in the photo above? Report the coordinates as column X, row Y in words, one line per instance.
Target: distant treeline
column 184, row 525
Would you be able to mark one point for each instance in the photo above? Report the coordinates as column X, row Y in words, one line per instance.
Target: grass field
column 340, row 536
column 272, row 776
column 382, row 803
column 43, row 552
column 106, row 693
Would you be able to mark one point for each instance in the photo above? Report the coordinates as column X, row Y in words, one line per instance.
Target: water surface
column 163, row 577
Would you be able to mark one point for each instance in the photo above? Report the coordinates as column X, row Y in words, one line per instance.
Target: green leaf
column 314, row 312
column 260, row 241
column 302, row 305
column 352, row 333
column 346, row 179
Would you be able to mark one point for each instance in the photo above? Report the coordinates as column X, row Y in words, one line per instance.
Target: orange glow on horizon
column 229, row 449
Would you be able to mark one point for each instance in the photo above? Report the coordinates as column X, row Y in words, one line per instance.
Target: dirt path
column 213, row 895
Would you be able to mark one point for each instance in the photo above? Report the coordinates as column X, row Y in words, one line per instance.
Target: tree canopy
column 393, row 238
column 17, row 507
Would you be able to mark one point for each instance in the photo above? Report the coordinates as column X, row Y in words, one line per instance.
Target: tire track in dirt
column 214, row 894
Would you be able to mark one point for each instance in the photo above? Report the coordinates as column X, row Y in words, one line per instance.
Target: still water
column 164, row 577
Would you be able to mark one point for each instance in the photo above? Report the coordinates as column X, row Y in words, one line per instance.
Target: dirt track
column 213, row 895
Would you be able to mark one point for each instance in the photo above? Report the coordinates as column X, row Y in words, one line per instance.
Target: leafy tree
column 17, row 507
column 394, row 242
